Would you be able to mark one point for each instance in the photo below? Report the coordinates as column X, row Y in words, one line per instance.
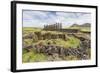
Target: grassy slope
column 33, row 57
column 83, row 29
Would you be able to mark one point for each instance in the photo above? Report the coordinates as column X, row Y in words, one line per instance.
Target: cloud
column 40, row 18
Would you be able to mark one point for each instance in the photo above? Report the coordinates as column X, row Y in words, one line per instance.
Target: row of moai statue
column 56, row 26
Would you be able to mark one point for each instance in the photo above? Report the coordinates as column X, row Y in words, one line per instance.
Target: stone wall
column 61, row 52
column 44, row 36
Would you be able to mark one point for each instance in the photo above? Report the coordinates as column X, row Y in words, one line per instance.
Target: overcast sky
column 41, row 18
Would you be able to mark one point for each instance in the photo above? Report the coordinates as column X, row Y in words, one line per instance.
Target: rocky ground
column 56, row 53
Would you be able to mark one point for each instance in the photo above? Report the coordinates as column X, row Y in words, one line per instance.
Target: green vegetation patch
column 83, row 29
column 27, row 30
column 71, row 57
column 71, row 42
column 33, row 57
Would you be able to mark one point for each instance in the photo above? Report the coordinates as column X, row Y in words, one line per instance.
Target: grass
column 40, row 57
column 83, row 29
column 71, row 42
column 33, row 57
column 31, row 29
column 27, row 30
column 71, row 57
column 28, row 41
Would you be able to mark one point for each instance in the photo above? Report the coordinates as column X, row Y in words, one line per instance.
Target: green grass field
column 83, row 29
column 32, row 56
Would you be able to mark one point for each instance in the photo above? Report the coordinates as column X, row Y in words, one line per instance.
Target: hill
column 83, row 25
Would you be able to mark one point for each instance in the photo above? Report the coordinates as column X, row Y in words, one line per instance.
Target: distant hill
column 83, row 25
column 86, row 25
column 75, row 25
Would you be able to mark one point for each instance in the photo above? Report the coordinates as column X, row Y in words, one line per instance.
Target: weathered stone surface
column 39, row 36
column 61, row 51
column 58, row 51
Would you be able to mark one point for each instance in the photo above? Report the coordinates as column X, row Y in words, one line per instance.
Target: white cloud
column 40, row 18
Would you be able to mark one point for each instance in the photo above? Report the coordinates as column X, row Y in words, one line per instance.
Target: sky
column 33, row 18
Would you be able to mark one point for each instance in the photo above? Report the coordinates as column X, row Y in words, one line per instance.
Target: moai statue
column 56, row 26
column 52, row 26
column 60, row 25
column 44, row 26
column 48, row 27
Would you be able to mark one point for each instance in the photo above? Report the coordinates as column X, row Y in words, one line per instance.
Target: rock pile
column 46, row 35
column 55, row 52
column 58, row 52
